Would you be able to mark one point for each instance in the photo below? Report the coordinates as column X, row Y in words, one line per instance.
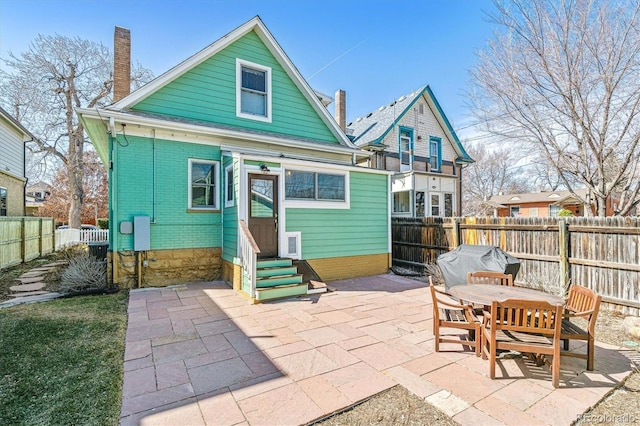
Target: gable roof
column 372, row 128
column 314, row 98
column 551, row 197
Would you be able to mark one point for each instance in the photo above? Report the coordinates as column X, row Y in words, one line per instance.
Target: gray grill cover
column 470, row 258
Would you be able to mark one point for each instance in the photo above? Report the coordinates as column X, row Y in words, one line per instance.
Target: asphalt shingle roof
column 372, row 126
column 536, row 197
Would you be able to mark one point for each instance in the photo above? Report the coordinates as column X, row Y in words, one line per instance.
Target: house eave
column 103, row 116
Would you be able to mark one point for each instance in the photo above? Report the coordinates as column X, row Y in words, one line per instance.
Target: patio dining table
column 484, row 294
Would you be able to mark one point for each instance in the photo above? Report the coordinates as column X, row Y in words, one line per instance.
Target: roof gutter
column 113, row 116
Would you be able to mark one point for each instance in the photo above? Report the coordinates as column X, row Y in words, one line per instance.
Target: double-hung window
column 253, row 91
column 203, row 185
column 405, row 148
column 435, row 153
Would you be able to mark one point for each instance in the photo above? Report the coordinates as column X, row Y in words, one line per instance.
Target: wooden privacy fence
column 25, row 238
column 602, row 254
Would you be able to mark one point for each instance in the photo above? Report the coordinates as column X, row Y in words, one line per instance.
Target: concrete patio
column 200, row 354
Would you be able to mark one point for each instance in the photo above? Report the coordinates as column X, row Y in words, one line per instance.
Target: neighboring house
column 543, row 204
column 413, row 137
column 229, row 147
column 36, row 195
column 12, row 165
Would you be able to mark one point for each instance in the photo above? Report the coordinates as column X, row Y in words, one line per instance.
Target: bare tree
column 44, row 86
column 561, row 78
column 95, row 190
column 492, row 173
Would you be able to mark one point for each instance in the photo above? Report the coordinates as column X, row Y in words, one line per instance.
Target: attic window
column 253, row 91
column 553, row 196
column 421, row 108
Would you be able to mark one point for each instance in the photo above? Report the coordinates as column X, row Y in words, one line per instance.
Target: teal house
column 229, row 166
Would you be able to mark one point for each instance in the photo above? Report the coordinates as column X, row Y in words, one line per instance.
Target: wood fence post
column 41, row 236
column 563, row 244
column 23, row 247
column 455, row 232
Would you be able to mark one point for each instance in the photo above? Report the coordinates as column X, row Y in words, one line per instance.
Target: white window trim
column 298, row 236
column 402, row 213
column 242, row 63
column 439, row 205
column 438, row 143
column 317, row 204
column 216, row 164
column 228, row 202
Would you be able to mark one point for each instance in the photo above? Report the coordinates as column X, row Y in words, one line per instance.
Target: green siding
column 361, row 230
column 208, row 93
column 230, row 216
column 175, row 227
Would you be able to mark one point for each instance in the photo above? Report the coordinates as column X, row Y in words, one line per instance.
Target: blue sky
column 376, row 50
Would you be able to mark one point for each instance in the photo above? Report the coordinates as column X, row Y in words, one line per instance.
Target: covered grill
column 470, row 258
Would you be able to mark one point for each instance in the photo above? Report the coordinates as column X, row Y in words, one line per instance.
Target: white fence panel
column 67, row 237
column 71, row 236
column 94, row 235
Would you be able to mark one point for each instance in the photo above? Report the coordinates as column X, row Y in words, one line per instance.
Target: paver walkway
column 200, row 354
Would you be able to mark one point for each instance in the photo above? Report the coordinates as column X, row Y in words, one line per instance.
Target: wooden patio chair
column 525, row 326
column 582, row 303
column 489, row 277
column 448, row 312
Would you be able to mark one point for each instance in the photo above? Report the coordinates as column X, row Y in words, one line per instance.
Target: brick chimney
column 121, row 63
column 341, row 109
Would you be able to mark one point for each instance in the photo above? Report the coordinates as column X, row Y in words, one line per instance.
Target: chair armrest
column 486, row 317
column 453, row 304
column 572, row 314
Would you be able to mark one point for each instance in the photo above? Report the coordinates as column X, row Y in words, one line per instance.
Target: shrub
column 103, row 223
column 433, row 270
column 565, row 213
column 85, row 273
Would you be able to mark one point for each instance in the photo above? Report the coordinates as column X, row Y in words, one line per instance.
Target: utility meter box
column 141, row 233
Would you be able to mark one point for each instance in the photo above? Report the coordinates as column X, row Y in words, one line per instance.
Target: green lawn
column 61, row 361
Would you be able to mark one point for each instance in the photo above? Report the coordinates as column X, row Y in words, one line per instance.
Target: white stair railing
column 249, row 257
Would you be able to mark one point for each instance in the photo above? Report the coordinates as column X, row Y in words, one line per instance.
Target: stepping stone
column 31, row 274
column 43, row 269
column 28, row 287
column 29, row 280
column 56, row 263
column 30, row 293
